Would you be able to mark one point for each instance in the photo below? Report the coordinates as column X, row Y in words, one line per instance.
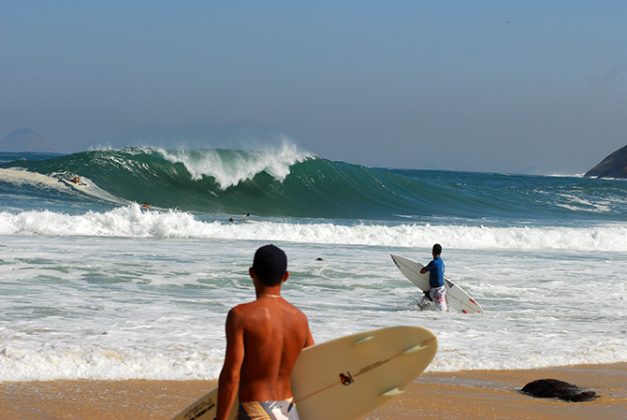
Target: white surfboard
column 348, row 377
column 456, row 298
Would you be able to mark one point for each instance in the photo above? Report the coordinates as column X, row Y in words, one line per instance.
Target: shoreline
column 451, row 395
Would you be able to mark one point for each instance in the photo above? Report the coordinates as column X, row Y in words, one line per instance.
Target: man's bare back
column 277, row 332
column 264, row 339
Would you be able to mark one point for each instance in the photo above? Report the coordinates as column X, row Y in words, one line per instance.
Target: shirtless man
column 263, row 340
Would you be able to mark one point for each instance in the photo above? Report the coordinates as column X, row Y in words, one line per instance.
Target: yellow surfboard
column 348, row 377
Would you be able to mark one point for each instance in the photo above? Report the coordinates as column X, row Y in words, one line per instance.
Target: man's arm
column 426, row 268
column 229, row 376
column 309, row 341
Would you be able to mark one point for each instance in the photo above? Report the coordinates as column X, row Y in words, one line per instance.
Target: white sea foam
column 132, row 221
column 107, row 308
column 239, row 166
column 91, row 362
column 572, row 202
column 19, row 176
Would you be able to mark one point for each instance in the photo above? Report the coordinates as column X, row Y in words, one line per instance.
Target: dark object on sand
column 553, row 388
column 613, row 166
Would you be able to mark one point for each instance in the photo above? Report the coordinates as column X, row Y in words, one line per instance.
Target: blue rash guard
column 436, row 272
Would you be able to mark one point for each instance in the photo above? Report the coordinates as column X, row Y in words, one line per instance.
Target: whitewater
column 94, row 286
column 134, row 222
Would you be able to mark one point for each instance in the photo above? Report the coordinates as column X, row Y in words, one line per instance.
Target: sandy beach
column 454, row 395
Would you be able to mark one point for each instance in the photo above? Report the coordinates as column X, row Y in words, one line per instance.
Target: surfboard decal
column 346, row 378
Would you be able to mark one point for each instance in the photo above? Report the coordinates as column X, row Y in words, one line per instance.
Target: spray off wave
column 230, row 167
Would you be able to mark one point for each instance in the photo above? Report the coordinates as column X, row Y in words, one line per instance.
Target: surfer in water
column 437, row 291
column 263, row 340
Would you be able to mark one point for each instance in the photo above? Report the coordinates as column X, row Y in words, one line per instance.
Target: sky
column 489, row 86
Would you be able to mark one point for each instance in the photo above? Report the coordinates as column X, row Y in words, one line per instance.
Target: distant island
column 24, row 140
column 613, row 166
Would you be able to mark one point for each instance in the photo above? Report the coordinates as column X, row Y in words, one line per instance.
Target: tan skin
column 275, row 332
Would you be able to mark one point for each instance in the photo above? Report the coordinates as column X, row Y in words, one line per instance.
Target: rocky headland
column 613, row 166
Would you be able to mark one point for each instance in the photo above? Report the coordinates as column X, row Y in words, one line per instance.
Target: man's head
column 436, row 250
column 270, row 265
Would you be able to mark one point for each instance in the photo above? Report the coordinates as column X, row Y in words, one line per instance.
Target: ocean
column 93, row 286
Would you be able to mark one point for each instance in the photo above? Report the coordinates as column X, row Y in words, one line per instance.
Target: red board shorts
column 438, row 295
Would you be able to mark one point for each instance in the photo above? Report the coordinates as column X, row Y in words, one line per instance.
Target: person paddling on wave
column 263, row 340
column 437, row 291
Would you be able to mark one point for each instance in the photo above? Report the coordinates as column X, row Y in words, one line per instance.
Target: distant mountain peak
column 613, row 166
column 24, row 139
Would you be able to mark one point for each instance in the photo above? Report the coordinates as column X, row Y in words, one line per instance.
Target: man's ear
column 251, row 273
column 285, row 276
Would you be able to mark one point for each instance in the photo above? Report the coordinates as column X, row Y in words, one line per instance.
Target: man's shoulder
column 240, row 311
column 242, row 307
column 296, row 310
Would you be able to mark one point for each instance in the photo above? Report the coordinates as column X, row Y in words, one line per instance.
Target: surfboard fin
column 363, row 340
column 415, row 348
column 392, row 392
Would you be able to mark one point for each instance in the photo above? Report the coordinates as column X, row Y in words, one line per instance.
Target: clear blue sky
column 527, row 86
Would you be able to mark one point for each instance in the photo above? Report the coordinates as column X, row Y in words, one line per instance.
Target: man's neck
column 268, row 292
column 268, row 295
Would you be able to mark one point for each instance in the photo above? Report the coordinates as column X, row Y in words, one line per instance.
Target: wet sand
column 455, row 395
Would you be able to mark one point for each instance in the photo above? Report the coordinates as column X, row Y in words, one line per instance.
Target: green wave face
column 226, row 181
column 286, row 183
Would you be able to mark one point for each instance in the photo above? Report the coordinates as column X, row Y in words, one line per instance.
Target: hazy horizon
column 485, row 87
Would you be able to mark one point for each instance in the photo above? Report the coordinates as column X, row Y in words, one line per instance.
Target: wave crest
column 230, row 167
